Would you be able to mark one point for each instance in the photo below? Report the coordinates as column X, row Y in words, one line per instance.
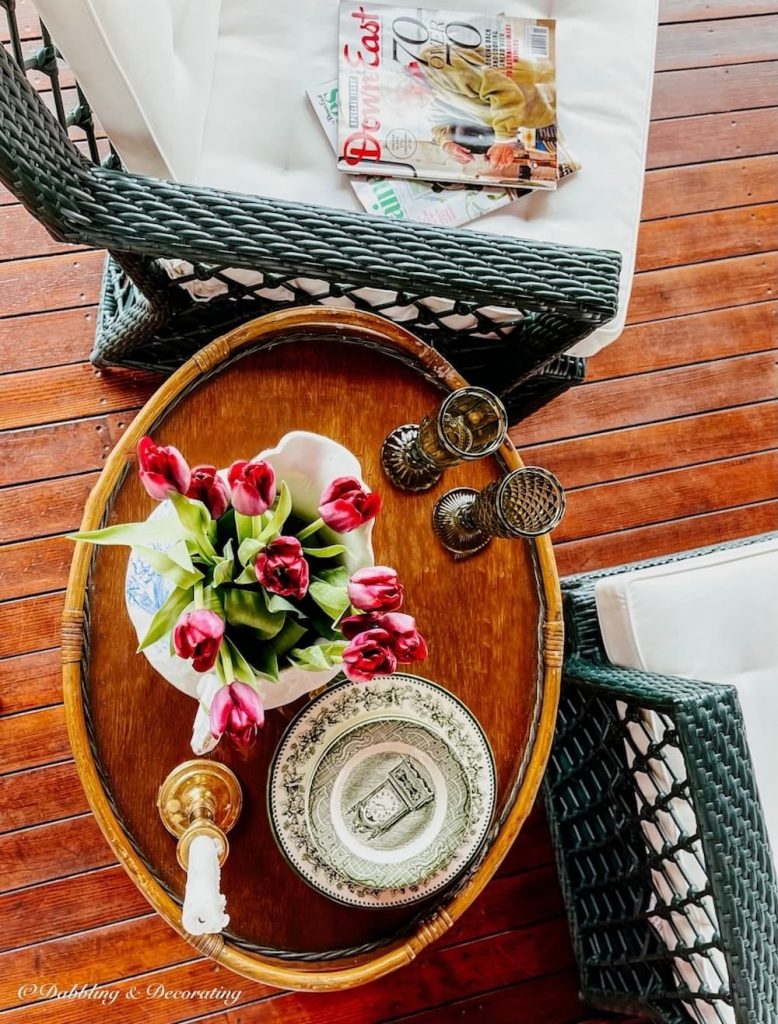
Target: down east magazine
column 447, row 96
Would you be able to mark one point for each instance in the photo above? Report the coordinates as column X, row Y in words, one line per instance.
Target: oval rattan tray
column 493, row 623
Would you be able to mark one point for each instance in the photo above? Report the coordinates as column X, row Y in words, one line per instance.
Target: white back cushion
column 146, row 67
column 212, row 92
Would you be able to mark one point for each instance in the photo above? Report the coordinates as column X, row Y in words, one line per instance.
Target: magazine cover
column 447, row 96
column 446, row 205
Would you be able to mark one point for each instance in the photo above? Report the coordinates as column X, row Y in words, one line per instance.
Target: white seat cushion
column 712, row 618
column 218, row 88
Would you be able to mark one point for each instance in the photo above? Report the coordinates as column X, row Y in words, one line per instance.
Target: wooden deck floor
column 671, row 444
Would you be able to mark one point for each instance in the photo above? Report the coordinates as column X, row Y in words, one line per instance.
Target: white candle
column 203, row 903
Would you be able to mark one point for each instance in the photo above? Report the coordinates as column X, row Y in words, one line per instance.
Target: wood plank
column 118, row 950
column 33, row 738
column 40, row 795
column 657, row 294
column 461, row 971
column 637, row 451
column 32, row 624
column 144, row 999
column 145, row 943
column 69, row 905
column 698, row 10
column 34, row 397
column 691, row 140
column 50, row 282
column 625, row 546
column 613, row 404
column 101, row 898
column 31, row 681
column 63, row 449
column 21, row 237
column 711, row 186
column 714, row 90
column 729, row 41
column 675, row 494
column 695, row 338
column 707, row 236
column 46, row 852
column 34, row 567
column 52, row 506
column 552, row 999
column 46, row 339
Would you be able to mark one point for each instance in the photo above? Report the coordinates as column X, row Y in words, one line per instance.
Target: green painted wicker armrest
column 593, row 811
column 126, row 213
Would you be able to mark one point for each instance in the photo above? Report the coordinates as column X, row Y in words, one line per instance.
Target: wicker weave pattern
column 306, row 254
column 609, row 870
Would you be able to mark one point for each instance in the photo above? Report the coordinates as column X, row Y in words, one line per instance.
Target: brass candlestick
column 200, row 798
column 469, row 424
column 526, row 503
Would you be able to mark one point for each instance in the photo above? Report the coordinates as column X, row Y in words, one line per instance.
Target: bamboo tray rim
column 287, row 326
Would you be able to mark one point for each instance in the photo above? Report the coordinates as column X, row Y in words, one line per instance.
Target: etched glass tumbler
column 469, row 424
column 526, row 503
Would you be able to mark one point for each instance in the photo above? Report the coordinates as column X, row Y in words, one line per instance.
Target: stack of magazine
column 442, row 116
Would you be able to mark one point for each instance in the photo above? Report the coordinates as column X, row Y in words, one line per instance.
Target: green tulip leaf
column 318, row 657
column 241, row 669
column 153, row 531
column 247, row 576
column 248, row 550
column 243, row 527
column 266, row 663
column 276, row 603
column 248, row 608
column 167, row 616
column 288, row 637
column 328, row 552
column 168, row 567
column 223, row 572
column 279, row 514
column 212, row 601
column 338, row 576
column 196, row 520
column 331, row 599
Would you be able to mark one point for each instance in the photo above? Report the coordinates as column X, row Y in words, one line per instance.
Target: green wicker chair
column 560, row 294
column 609, row 870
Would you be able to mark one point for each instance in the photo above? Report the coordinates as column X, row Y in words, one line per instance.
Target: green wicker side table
column 723, row 914
column 559, row 294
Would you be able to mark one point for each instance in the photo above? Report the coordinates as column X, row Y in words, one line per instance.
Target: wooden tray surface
column 483, row 619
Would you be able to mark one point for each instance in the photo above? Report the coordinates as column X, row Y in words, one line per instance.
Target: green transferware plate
column 381, row 794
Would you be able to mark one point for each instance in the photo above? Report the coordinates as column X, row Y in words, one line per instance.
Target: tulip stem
column 310, row 529
column 199, row 601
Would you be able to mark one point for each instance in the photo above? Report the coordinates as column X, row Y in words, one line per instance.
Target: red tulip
column 162, row 469
column 407, row 643
column 352, row 625
column 347, row 504
column 253, row 487
column 368, row 655
column 198, row 636
column 237, row 711
column 209, row 488
column 282, row 569
column 375, row 589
